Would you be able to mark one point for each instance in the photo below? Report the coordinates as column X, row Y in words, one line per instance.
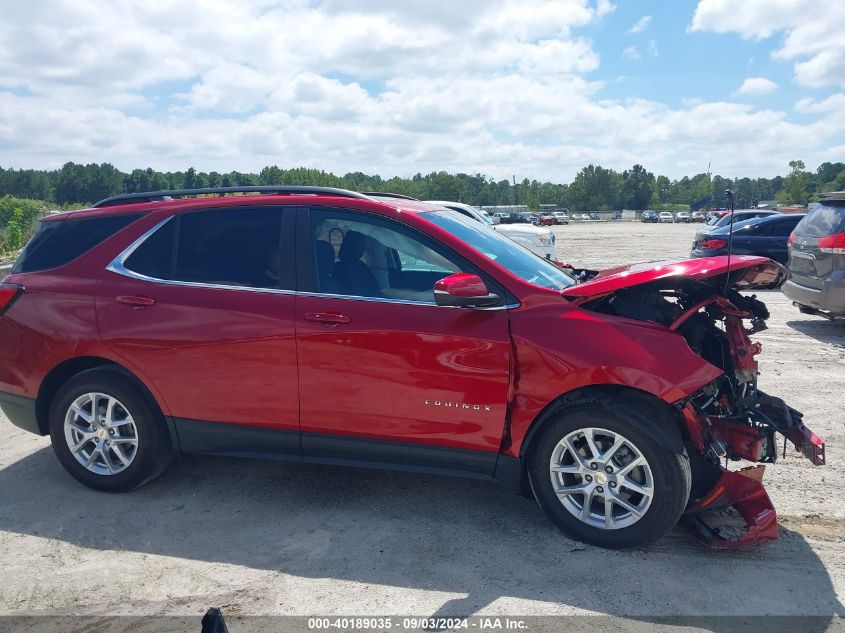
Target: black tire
column 153, row 452
column 670, row 469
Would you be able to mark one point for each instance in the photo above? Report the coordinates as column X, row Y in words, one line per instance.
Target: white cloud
column 812, row 32
column 640, row 25
column 833, row 103
column 631, row 52
column 652, row 49
column 754, row 86
column 603, row 7
column 491, row 86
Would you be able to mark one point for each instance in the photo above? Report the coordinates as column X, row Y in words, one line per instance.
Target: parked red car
column 321, row 325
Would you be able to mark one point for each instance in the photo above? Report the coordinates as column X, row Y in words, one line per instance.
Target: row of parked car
column 811, row 245
column 523, row 231
column 670, row 218
column 537, row 219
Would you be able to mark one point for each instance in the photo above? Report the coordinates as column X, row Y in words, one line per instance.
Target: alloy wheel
column 601, row 478
column 101, row 434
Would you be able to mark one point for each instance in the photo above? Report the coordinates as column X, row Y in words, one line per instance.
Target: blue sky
column 538, row 88
column 688, row 64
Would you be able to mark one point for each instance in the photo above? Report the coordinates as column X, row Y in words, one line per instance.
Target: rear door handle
column 136, row 302
column 330, row 318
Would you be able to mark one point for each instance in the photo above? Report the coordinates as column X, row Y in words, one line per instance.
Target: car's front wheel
column 107, row 432
column 600, row 476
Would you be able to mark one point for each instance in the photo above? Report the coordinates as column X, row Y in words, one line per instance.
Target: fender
column 589, row 349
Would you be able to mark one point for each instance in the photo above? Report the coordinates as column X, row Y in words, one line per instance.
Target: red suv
column 321, row 325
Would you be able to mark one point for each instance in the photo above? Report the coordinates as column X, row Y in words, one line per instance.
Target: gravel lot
column 271, row 538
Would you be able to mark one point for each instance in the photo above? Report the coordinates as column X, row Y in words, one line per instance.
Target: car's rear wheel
column 107, row 432
column 600, row 476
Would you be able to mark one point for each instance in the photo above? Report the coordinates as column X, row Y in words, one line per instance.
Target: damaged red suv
column 321, row 325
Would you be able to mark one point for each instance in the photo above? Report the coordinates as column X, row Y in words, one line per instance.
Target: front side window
column 223, row 247
column 364, row 256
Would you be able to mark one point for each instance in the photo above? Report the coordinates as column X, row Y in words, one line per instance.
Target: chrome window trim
column 118, row 266
column 400, row 301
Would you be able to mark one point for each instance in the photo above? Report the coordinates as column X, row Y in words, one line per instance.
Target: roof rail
column 386, row 194
column 152, row 196
column 833, row 195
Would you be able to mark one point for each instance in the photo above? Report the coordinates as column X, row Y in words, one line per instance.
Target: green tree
column 637, row 188
column 795, row 185
column 14, row 231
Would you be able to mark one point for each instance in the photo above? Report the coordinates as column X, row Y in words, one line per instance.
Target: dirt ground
column 271, row 538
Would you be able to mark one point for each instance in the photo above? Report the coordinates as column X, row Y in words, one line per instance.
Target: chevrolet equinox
column 322, row 325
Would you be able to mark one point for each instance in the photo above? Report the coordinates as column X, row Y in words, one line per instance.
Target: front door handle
column 329, row 318
column 136, row 302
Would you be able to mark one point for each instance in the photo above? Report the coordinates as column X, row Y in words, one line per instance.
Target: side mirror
column 464, row 290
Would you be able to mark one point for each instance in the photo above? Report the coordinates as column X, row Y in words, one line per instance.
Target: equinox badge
column 459, row 405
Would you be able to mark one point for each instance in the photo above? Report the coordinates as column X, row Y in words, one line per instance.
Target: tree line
column 594, row 188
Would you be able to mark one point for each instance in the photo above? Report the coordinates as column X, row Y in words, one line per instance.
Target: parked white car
column 561, row 217
column 540, row 240
column 665, row 216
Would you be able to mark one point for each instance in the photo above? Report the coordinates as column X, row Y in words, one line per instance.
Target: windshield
column 485, row 218
column 502, row 250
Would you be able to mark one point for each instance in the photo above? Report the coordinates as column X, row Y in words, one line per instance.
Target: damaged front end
column 729, row 419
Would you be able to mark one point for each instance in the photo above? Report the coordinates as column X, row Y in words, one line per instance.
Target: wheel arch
column 71, row 367
column 613, row 396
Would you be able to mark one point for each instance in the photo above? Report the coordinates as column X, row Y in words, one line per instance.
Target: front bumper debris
column 743, row 491
column 744, row 432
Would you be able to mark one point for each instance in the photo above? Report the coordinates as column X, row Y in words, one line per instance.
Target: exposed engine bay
column 729, row 419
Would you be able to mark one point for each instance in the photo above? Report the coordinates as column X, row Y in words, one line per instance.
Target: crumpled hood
column 747, row 272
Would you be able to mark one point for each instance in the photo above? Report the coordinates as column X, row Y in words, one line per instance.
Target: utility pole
column 515, row 197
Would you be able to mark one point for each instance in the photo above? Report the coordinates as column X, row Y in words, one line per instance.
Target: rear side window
column 59, row 242
column 782, row 228
column 223, row 247
column 821, row 221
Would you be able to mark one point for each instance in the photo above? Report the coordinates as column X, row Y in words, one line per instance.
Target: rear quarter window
column 59, row 242
column 821, row 221
column 154, row 258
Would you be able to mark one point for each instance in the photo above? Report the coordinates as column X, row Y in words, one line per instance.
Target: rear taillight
column 790, row 239
column 712, row 245
column 9, row 293
column 833, row 244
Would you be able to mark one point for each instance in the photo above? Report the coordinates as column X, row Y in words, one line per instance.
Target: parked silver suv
column 817, row 259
